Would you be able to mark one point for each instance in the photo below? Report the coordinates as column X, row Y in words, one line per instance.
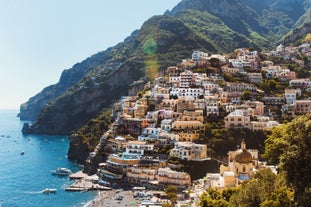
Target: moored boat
column 61, row 171
column 49, row 190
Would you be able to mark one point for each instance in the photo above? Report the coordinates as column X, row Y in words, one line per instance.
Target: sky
column 41, row 38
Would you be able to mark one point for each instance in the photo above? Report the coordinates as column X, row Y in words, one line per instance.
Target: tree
column 171, row 193
column 290, row 146
column 215, row 62
column 213, row 198
column 246, row 95
column 266, row 189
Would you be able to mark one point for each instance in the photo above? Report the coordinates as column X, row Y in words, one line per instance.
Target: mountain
column 209, row 25
column 301, row 31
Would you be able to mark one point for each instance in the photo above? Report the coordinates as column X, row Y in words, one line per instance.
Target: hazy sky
column 41, row 38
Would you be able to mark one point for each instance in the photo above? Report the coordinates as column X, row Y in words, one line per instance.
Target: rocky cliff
column 298, row 34
column 69, row 77
column 78, row 105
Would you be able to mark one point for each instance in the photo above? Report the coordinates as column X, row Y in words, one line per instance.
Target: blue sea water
column 23, row 177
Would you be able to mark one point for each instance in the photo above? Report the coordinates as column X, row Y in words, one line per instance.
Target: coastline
column 41, row 154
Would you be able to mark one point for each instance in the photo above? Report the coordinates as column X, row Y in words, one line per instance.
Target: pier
column 78, row 175
column 85, row 183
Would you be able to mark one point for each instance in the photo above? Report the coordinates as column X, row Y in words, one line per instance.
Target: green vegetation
column 266, row 189
column 307, row 38
column 289, row 146
column 171, row 194
column 272, row 87
column 246, row 95
column 220, row 140
column 152, row 67
column 214, row 198
column 91, row 132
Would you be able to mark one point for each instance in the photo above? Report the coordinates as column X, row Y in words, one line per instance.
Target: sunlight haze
column 39, row 39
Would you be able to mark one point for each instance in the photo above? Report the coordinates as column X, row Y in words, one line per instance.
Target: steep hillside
column 208, row 25
column 301, row 30
column 298, row 35
column 158, row 44
column 30, row 109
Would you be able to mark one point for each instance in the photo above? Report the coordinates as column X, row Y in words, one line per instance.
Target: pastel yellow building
column 196, row 115
column 141, row 173
column 188, row 130
column 237, row 119
column 188, row 136
column 167, row 176
column 187, row 125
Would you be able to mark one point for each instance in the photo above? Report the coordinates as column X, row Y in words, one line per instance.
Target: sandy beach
column 113, row 198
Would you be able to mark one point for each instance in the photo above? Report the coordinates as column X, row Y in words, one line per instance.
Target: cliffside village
column 171, row 112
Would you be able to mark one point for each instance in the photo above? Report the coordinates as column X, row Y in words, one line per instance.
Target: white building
column 166, row 124
column 290, row 96
column 174, row 80
column 166, row 138
column 199, row 56
column 189, row 151
column 300, row 83
column 187, row 92
column 254, row 77
column 149, row 133
column 220, row 57
column 211, row 87
column 212, row 109
column 138, row 147
column 280, row 48
column 187, row 79
column 264, row 123
column 236, row 63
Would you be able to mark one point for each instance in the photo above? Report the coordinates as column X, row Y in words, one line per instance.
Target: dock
column 78, row 175
column 85, row 183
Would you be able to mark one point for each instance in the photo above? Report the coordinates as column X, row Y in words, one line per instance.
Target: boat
column 49, row 190
column 104, row 183
column 61, row 171
column 22, row 152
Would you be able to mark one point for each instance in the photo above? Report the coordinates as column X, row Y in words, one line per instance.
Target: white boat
column 104, row 183
column 61, row 171
column 49, row 190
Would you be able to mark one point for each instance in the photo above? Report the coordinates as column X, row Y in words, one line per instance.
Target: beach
column 113, row 198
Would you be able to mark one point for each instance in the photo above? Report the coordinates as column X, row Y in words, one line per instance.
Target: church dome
column 243, row 156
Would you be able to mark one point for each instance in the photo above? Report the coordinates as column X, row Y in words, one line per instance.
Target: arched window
column 244, row 170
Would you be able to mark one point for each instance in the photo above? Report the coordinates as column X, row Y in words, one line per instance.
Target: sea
column 24, row 176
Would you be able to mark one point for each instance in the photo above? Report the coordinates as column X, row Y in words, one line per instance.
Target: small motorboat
column 49, row 190
column 104, row 183
column 22, row 152
column 61, row 171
